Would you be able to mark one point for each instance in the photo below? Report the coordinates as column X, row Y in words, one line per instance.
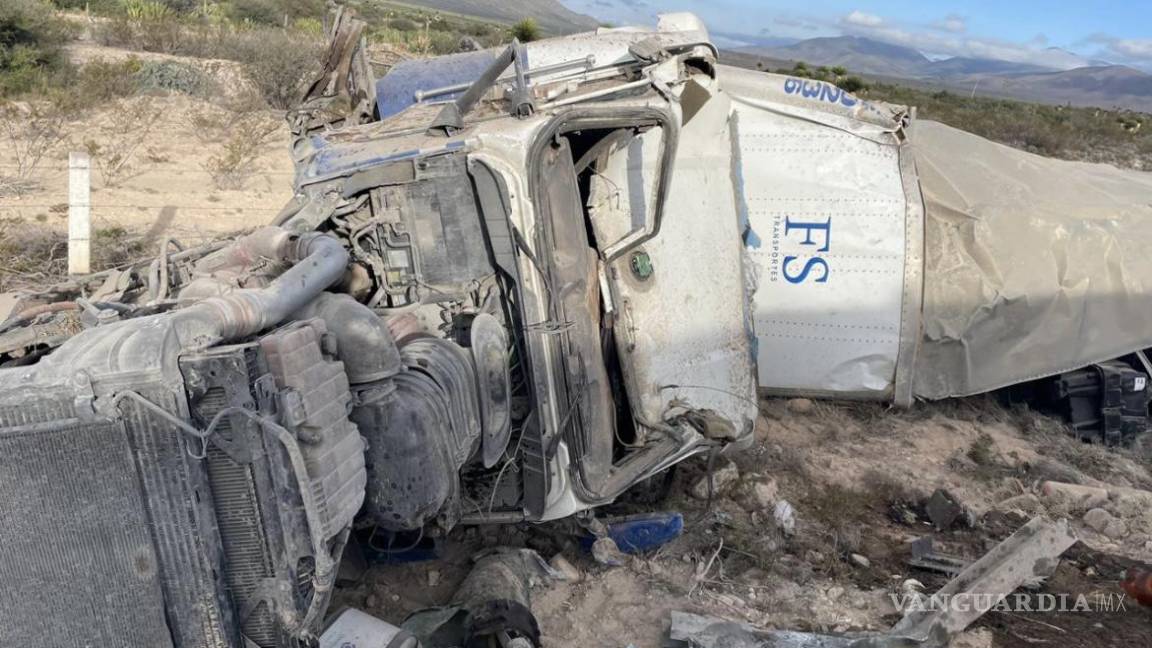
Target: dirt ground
column 164, row 146
column 857, row 476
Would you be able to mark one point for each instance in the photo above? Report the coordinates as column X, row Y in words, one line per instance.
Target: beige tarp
column 1033, row 266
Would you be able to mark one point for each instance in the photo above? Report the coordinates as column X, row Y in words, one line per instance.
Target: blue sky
column 1059, row 34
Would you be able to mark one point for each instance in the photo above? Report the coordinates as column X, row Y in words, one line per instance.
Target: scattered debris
column 353, row 628
column 785, row 517
column 944, row 509
column 1031, row 552
column 860, row 561
column 924, row 556
column 491, row 607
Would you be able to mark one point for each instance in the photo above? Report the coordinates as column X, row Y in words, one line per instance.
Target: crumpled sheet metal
column 1033, row 266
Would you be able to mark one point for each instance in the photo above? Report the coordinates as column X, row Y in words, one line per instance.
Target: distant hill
column 552, row 16
column 1091, row 84
column 960, row 65
column 855, row 52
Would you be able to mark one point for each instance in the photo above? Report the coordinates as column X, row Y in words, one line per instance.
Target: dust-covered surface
column 857, row 477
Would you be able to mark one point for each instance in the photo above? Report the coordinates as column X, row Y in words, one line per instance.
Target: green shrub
column 526, row 30
column 259, row 12
column 852, row 84
column 173, row 76
column 32, row 38
column 99, row 80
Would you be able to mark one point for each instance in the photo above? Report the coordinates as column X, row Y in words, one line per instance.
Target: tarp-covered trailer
column 902, row 259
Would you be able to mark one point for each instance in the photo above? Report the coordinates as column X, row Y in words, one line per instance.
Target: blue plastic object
column 635, row 534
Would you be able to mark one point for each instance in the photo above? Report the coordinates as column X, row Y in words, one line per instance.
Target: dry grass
column 34, row 256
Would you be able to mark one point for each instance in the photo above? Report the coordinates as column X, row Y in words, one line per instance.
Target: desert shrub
column 403, row 24
column 32, row 38
column 99, row 80
column 526, row 30
column 37, row 255
column 113, row 151
column 259, row 12
column 173, row 76
column 29, row 132
column 232, row 167
column 279, row 63
column 274, row 12
column 148, row 25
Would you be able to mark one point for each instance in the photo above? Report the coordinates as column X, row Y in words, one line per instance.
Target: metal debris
column 925, row 556
column 1030, row 553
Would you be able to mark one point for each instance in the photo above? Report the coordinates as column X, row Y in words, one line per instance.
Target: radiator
column 119, row 529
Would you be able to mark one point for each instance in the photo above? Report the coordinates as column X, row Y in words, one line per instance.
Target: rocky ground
column 857, row 478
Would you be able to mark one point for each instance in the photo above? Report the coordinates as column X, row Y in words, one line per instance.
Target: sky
column 1056, row 34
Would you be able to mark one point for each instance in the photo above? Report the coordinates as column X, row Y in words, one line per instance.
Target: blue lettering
column 809, row 228
column 808, row 266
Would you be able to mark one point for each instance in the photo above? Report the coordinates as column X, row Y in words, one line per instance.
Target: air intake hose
column 318, row 261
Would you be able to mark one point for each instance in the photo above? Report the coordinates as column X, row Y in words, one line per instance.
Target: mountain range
column 1084, row 83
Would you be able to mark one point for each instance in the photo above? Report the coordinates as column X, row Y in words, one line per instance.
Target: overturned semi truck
column 510, row 285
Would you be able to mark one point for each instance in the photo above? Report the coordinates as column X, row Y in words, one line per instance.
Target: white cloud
column 946, row 44
column 953, row 23
column 1139, row 49
column 861, row 19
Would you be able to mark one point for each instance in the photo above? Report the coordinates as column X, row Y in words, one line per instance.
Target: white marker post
column 79, row 214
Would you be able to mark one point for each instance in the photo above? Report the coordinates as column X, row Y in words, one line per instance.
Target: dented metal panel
column 682, row 329
column 828, row 223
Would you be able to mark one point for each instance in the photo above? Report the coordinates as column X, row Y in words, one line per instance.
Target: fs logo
column 816, row 267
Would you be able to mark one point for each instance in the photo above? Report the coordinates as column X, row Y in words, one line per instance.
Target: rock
column 1081, row 498
column 978, row 638
column 911, row 586
column 566, row 569
column 1117, row 529
column 944, row 509
column 801, row 406
column 761, row 494
column 605, row 551
column 834, row 593
column 860, row 561
column 785, row 517
column 1026, row 503
column 724, row 477
column 371, row 601
column 1100, row 520
column 433, row 578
